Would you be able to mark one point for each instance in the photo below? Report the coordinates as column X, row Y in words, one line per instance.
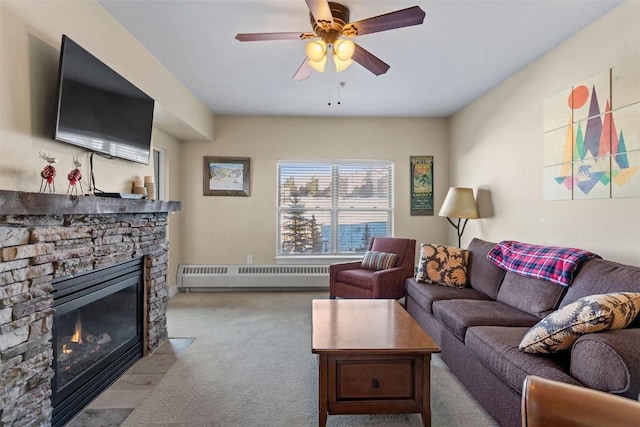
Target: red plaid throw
column 551, row 263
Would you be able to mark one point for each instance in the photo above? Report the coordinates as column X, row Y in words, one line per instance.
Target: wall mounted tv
column 100, row 110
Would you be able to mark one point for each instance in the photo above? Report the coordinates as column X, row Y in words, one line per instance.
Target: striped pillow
column 379, row 260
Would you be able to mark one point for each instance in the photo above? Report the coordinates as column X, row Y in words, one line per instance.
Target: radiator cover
column 192, row 276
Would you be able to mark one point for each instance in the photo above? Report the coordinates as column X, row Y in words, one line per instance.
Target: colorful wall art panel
column 591, row 97
column 625, row 84
column 625, row 151
column 594, row 151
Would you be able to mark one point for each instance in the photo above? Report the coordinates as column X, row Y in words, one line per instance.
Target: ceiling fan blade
column 398, row 19
column 321, row 12
column 256, row 37
column 369, row 61
column 304, row 71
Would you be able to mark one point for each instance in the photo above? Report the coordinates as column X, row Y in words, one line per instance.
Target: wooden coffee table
column 374, row 358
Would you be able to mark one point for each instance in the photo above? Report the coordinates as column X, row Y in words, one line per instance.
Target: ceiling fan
column 332, row 34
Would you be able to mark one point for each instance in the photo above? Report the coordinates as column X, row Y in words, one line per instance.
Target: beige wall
column 30, row 36
column 496, row 146
column 224, row 230
column 495, row 143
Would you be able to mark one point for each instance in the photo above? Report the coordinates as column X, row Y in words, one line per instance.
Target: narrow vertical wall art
column 421, row 185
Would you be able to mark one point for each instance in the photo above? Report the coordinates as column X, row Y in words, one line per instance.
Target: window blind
column 332, row 207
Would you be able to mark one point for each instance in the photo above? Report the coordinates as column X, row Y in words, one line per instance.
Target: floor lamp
column 459, row 204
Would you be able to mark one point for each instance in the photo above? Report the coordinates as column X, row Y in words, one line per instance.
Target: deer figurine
column 48, row 174
column 74, row 178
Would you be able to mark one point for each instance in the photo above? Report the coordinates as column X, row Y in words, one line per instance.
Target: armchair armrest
column 551, row 403
column 341, row 266
column 389, row 283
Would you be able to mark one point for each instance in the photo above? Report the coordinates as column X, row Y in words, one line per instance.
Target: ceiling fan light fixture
column 344, row 49
column 332, row 36
column 316, row 50
column 318, row 65
column 340, row 64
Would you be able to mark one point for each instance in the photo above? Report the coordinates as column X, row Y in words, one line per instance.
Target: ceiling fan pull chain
column 330, row 72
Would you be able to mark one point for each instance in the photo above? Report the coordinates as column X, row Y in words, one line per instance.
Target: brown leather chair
column 350, row 280
column 547, row 403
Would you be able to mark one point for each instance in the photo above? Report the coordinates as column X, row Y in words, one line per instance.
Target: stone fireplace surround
column 46, row 236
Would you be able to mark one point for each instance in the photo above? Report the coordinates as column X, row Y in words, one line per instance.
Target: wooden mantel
column 25, row 203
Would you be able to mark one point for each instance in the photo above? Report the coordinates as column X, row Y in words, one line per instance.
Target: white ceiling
column 463, row 49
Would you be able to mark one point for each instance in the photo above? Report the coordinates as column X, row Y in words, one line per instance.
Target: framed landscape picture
column 226, row 176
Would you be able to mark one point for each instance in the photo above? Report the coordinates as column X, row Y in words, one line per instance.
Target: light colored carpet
column 251, row 365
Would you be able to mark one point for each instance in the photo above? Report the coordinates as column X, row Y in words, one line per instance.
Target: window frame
column 334, row 209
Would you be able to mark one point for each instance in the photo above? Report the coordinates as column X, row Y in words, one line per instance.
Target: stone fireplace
column 48, row 239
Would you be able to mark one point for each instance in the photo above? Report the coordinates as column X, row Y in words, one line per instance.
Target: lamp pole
column 457, row 227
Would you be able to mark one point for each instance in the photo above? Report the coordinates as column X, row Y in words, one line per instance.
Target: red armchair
column 350, row 280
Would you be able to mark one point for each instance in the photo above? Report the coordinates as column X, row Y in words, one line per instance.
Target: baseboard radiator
column 247, row 277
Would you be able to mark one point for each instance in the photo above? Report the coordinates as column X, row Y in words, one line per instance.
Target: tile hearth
column 116, row 403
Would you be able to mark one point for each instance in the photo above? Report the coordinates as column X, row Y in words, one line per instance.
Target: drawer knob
column 375, row 383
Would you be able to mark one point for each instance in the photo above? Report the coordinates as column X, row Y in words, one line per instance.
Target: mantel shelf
column 25, row 203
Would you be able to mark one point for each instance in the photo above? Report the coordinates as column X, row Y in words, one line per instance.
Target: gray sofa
column 480, row 327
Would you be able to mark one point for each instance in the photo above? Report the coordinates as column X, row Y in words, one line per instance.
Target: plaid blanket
column 551, row 263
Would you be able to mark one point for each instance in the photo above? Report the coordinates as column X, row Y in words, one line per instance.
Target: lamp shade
column 343, row 49
column 316, row 50
column 342, row 65
column 459, row 203
column 318, row 65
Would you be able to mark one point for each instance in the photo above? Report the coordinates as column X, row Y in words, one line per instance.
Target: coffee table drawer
column 375, row 379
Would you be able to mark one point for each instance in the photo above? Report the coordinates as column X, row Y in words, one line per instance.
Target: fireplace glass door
column 97, row 333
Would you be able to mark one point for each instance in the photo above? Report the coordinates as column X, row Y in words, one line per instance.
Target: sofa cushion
column 534, row 296
column 426, row 293
column 458, row 315
column 608, row 361
column 560, row 329
column 497, row 348
column 590, row 280
column 374, row 260
column 483, row 274
column 443, row 265
column 359, row 277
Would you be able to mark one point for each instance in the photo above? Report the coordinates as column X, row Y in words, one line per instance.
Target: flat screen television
column 100, row 110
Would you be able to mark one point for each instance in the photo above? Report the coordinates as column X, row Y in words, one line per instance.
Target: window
column 332, row 207
column 159, row 172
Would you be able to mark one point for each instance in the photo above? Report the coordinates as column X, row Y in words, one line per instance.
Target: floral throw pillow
column 443, row 265
column 594, row 313
column 376, row 261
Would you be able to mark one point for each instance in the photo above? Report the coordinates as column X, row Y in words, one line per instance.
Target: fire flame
column 77, row 333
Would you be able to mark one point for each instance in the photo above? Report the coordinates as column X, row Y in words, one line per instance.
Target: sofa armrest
column 608, row 361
